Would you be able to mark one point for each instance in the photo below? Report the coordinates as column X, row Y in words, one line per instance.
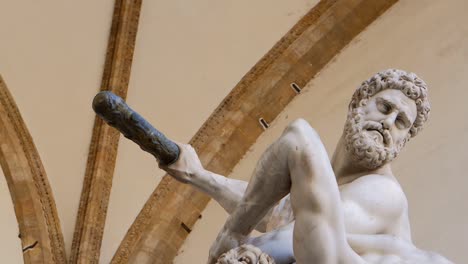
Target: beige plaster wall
column 51, row 58
column 431, row 39
column 10, row 244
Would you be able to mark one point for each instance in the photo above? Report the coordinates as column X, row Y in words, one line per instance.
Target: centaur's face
column 376, row 131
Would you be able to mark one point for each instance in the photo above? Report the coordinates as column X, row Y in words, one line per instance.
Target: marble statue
column 350, row 209
column 310, row 209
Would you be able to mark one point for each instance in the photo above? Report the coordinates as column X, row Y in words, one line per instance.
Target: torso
column 373, row 204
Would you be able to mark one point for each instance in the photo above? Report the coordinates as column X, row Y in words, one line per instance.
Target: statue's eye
column 401, row 122
column 384, row 107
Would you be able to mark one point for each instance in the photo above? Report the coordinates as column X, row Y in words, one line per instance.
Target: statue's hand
column 187, row 166
column 223, row 243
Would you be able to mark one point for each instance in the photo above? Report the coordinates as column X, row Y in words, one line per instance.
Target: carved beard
column 365, row 150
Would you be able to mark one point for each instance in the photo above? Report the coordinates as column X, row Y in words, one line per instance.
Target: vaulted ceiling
column 154, row 54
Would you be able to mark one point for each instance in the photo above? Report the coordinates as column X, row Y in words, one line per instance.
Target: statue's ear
column 352, row 105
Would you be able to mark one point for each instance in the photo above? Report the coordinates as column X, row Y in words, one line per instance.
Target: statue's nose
column 388, row 121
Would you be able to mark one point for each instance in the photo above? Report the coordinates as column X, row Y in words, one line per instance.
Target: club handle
column 115, row 112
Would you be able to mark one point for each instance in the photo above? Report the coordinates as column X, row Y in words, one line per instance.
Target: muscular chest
column 371, row 205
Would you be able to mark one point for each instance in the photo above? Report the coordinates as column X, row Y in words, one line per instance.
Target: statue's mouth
column 379, row 135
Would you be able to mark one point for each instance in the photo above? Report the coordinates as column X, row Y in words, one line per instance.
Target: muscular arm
column 296, row 163
column 226, row 191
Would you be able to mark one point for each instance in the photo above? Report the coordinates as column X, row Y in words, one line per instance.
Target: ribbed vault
column 171, row 211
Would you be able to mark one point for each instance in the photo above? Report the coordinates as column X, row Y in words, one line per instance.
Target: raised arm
column 226, row 191
column 180, row 160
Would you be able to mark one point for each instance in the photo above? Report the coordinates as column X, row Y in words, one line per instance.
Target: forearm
column 247, row 217
column 226, row 191
column 254, row 211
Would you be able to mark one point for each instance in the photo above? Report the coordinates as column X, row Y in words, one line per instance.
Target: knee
column 301, row 135
column 307, row 157
column 298, row 125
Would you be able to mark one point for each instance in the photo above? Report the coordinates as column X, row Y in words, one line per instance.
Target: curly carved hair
column 407, row 82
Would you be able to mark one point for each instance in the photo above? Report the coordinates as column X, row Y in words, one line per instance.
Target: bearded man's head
column 365, row 149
